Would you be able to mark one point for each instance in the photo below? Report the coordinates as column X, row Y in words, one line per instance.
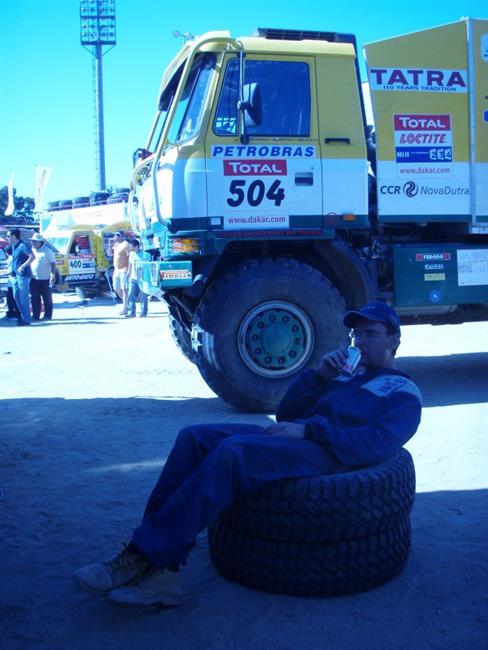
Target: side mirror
column 251, row 105
column 139, row 155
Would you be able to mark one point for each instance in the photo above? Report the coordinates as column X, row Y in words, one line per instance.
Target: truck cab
column 269, row 205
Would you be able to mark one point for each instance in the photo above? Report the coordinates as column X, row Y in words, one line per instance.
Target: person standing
column 134, row 290
column 20, row 274
column 120, row 251
column 43, row 276
column 12, row 309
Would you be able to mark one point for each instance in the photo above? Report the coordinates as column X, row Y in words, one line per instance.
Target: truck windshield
column 190, row 109
column 60, row 244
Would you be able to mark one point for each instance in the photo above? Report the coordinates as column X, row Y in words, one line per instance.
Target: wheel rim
column 275, row 339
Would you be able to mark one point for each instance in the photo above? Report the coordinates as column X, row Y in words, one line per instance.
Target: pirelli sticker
column 175, row 274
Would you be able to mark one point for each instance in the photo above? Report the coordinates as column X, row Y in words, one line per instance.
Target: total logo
column 410, row 189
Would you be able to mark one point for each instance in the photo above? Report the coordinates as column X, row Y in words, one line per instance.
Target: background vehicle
column 273, row 205
column 80, row 231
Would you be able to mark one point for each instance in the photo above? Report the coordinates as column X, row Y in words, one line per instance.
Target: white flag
column 10, row 205
column 43, row 174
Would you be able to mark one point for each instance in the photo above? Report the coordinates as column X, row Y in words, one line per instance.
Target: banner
column 9, row 210
column 43, row 174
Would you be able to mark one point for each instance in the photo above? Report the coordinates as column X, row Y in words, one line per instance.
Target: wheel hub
column 275, row 339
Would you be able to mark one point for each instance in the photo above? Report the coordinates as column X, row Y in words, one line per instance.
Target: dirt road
column 91, row 405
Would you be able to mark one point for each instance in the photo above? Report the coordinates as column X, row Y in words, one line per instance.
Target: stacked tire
column 321, row 536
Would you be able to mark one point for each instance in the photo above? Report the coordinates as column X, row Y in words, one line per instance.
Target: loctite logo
column 432, row 257
column 255, row 168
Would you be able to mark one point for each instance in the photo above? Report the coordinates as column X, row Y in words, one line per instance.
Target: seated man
column 327, row 421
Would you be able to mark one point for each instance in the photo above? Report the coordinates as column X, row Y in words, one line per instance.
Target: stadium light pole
column 97, row 30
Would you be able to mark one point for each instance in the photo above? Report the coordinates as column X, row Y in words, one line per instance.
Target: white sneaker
column 113, row 573
column 155, row 587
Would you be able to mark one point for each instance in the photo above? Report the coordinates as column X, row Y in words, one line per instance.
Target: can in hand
column 352, row 361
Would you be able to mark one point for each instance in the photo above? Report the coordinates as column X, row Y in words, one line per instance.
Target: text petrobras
column 418, row 79
column 262, row 151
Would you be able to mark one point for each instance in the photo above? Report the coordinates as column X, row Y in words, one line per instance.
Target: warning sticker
column 472, row 267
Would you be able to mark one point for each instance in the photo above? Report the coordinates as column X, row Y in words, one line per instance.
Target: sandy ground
column 91, row 405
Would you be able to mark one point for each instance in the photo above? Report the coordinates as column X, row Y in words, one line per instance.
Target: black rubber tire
column 335, row 507
column 81, row 201
column 225, row 305
column 310, row 568
column 181, row 337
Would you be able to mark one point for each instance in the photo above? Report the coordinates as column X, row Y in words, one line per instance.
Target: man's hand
column 287, row 429
column 331, row 363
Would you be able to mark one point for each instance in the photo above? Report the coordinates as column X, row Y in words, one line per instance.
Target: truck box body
column 428, row 91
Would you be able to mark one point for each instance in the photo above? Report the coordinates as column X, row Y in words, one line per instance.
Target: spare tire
column 323, row 535
column 310, row 568
column 328, row 508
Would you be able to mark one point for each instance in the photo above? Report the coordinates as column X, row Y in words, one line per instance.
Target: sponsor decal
column 430, row 257
column 422, row 138
column 418, row 80
column 434, row 267
column 258, row 221
column 434, row 296
column 296, row 232
column 262, row 167
column 262, row 151
column 81, row 277
column 484, row 47
column 81, row 263
column 433, row 277
column 175, row 274
column 411, row 189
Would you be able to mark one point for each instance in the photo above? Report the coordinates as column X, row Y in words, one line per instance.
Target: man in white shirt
column 43, row 275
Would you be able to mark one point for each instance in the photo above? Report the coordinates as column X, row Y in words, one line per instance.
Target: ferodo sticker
column 418, row 80
column 432, row 257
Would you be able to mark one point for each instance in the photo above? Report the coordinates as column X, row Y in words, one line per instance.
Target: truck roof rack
column 300, row 35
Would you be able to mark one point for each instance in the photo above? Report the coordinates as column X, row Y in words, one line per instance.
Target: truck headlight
column 184, row 245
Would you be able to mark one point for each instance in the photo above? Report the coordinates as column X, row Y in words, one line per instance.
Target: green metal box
column 440, row 274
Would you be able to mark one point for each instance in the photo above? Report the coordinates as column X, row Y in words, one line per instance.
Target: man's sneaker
column 154, row 588
column 113, row 573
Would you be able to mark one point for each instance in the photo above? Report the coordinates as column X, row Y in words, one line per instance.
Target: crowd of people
column 32, row 275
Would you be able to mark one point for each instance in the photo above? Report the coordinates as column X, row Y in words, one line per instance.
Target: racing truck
column 80, row 231
column 272, row 196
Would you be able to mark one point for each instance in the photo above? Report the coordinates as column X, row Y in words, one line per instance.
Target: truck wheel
column 181, row 338
column 310, row 568
column 326, row 508
column 261, row 323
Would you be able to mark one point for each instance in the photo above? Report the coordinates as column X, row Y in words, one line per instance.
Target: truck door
column 271, row 178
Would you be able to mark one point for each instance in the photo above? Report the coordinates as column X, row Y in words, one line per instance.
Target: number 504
column 254, row 193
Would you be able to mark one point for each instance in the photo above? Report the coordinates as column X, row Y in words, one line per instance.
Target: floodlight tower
column 97, row 29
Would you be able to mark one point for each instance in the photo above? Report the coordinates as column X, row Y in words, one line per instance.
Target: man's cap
column 374, row 311
column 37, row 237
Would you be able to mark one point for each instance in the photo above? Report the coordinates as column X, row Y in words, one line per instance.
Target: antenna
column 97, row 29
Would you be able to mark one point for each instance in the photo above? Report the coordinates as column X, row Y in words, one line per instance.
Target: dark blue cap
column 375, row 311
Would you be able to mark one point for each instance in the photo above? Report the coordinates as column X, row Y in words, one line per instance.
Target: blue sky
column 46, row 96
